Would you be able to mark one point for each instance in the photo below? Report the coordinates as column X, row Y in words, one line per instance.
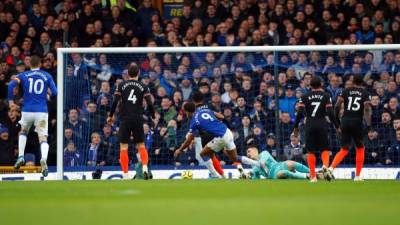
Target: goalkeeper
column 263, row 164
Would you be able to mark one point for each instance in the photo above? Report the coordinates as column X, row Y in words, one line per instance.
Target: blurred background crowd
column 240, row 85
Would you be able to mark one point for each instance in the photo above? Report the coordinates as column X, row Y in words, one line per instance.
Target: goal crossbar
column 136, row 50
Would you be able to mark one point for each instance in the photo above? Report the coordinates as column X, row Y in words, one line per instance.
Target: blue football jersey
column 205, row 120
column 35, row 84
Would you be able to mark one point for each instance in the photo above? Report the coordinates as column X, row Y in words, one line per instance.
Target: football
column 187, row 174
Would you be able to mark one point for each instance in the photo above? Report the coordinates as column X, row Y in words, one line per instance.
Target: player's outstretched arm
column 185, row 144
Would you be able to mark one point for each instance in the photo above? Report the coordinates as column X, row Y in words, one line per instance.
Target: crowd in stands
column 240, row 85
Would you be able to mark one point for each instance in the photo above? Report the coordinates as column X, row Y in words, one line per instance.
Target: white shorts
column 226, row 142
column 39, row 119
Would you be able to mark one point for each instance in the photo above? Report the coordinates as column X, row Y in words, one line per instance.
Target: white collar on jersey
column 35, row 69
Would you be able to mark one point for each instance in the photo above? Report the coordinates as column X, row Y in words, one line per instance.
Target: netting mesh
column 257, row 92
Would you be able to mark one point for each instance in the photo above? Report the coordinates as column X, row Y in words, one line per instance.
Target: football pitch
column 199, row 202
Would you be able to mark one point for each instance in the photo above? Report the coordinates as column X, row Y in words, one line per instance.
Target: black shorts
column 316, row 136
column 352, row 130
column 130, row 128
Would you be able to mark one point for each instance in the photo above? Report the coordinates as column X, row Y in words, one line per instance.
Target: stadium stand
column 42, row 26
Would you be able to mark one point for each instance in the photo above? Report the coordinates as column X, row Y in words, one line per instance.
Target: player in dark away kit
column 130, row 93
column 317, row 105
column 356, row 107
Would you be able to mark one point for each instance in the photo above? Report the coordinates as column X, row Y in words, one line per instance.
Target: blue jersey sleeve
column 193, row 126
column 52, row 86
column 11, row 87
column 13, row 84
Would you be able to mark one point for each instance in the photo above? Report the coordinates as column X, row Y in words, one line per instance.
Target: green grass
column 200, row 202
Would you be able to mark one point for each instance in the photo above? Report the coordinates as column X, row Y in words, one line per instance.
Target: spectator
column 148, row 134
column 15, row 56
column 377, row 109
column 44, row 45
column 145, row 14
column 167, row 82
column 96, row 152
column 334, row 87
column 11, row 123
column 286, row 127
column 385, row 128
column 92, row 118
column 167, row 111
column 105, row 69
column 72, row 158
column 258, row 137
column 393, row 152
column 242, row 133
column 78, row 126
column 393, row 107
column 110, row 143
column 241, row 109
column 294, row 150
column 258, row 114
column 186, row 88
column 230, row 119
column 160, row 147
column 373, row 147
column 271, row 146
column 288, row 102
column 8, row 152
column 366, row 34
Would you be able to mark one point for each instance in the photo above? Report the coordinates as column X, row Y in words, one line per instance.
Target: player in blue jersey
column 37, row 87
column 205, row 120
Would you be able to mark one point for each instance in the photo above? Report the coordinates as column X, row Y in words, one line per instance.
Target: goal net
column 256, row 88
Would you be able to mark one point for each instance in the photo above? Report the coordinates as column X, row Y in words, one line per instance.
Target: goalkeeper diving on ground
column 264, row 165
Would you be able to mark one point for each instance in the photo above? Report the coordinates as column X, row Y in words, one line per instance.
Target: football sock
column 301, row 168
column 339, row 157
column 311, row 164
column 21, row 144
column 359, row 160
column 292, row 175
column 144, row 156
column 248, row 161
column 208, row 163
column 124, row 160
column 217, row 165
column 44, row 149
column 325, row 158
column 198, row 147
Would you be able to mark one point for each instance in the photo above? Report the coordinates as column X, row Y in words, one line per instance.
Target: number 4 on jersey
column 132, row 97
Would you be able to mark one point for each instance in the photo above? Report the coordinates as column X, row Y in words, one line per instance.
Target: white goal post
column 61, row 52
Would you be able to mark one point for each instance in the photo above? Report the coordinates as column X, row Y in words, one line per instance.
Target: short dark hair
column 189, row 107
column 315, row 82
column 357, row 80
column 133, row 70
column 35, row 61
column 197, row 97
